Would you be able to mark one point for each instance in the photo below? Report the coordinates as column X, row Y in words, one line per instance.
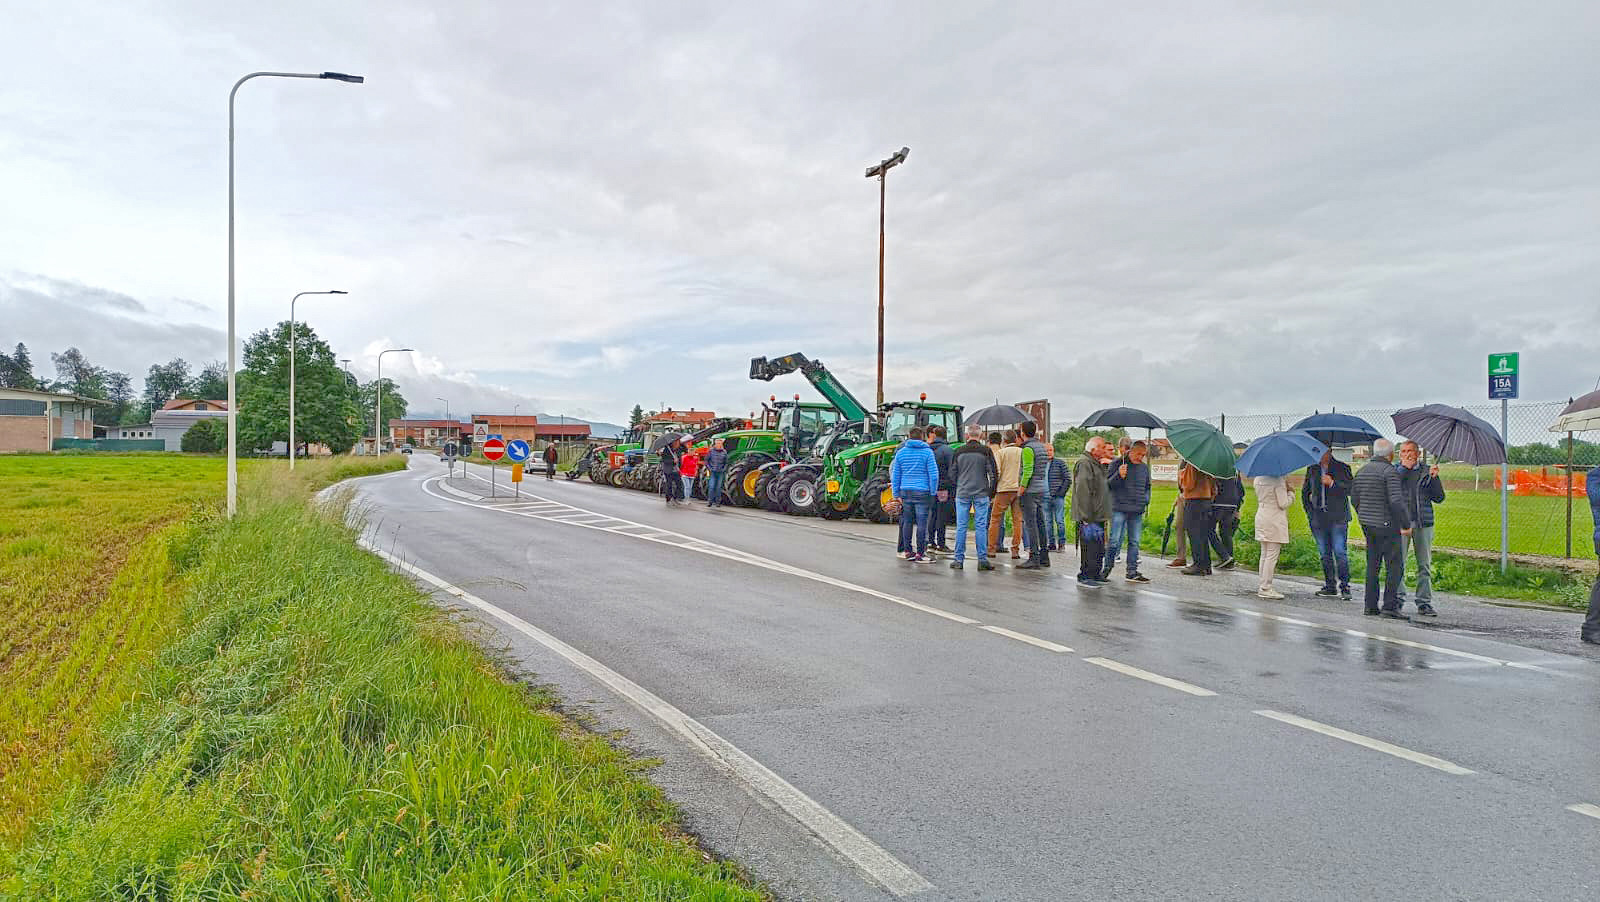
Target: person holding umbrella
column 1197, row 488
column 1129, row 482
column 1423, row 489
column 1591, row 623
column 670, row 484
column 1380, row 504
column 1326, row 497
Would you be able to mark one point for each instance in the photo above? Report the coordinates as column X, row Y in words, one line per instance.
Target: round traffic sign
column 518, row 450
column 494, row 449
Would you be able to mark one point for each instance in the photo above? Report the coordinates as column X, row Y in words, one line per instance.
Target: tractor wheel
column 875, row 497
column 766, row 493
column 796, row 488
column 597, row 474
column 835, row 510
column 742, row 478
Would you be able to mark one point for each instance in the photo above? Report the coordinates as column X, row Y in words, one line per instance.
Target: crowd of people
column 1010, row 482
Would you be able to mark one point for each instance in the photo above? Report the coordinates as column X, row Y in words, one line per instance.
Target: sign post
column 518, row 451
column 1503, row 378
column 450, row 457
column 494, row 448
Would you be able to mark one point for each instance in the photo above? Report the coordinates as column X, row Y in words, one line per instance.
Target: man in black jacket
column 1423, row 489
column 1381, row 507
column 944, row 500
column 1326, row 498
column 1225, row 516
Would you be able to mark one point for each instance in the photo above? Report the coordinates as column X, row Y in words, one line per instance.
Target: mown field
column 280, row 716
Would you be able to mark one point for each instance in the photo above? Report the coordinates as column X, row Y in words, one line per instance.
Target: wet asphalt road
column 993, row 763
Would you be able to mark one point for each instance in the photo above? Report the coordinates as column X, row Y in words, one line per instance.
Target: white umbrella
column 1581, row 415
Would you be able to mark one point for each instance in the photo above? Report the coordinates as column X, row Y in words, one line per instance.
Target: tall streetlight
column 881, row 173
column 448, row 436
column 292, row 343
column 377, row 403
column 233, row 360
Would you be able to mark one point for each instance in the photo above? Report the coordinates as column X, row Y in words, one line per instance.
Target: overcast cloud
column 1185, row 207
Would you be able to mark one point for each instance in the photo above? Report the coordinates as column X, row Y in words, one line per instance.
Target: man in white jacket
column 1272, row 527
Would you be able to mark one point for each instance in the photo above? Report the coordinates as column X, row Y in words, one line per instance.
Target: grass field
column 308, row 725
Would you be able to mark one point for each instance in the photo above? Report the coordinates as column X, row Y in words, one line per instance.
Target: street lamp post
column 292, row 343
column 233, row 360
column 881, row 173
column 377, row 403
column 448, row 436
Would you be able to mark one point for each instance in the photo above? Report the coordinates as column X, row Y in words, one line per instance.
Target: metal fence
column 1546, row 520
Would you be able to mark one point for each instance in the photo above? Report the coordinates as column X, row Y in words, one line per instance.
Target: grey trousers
column 1421, row 540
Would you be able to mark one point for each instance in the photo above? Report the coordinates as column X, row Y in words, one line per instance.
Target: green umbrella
column 1203, row 445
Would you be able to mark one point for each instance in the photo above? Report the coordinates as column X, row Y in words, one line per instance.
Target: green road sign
column 1503, row 364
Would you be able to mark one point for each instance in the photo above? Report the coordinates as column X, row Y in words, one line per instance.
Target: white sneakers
column 1271, row 594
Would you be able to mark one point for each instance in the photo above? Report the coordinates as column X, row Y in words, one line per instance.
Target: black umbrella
column 998, row 415
column 1126, row 417
column 665, row 440
column 1451, row 433
column 1338, row 429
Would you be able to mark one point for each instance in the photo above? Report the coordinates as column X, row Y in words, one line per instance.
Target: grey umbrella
column 998, row 415
column 1126, row 417
column 1451, row 433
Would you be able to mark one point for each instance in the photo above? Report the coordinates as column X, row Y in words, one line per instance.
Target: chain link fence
column 1546, row 520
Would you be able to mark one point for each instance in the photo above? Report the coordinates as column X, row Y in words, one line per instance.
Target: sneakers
column 1088, row 583
column 1270, row 594
column 1327, row 592
column 919, row 559
column 1194, row 571
column 1029, row 565
column 985, row 565
column 956, row 565
column 1228, row 564
column 1177, row 562
column 1344, row 594
column 1393, row 615
column 1137, row 578
column 1426, row 610
column 1371, row 612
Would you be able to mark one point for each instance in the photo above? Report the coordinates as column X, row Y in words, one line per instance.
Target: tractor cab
column 900, row 416
column 844, row 435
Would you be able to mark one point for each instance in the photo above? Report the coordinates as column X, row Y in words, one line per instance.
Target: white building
column 173, row 420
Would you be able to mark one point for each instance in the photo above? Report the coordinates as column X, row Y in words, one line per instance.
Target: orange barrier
column 1526, row 482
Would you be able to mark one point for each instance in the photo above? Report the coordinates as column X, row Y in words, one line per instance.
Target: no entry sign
column 494, row 448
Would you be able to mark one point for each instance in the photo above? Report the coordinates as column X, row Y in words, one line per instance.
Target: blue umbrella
column 1338, row 429
column 1281, row 453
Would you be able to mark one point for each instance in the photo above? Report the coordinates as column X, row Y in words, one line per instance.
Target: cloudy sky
column 580, row 206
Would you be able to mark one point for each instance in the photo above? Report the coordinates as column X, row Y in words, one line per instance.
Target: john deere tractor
column 855, row 476
column 600, row 464
column 791, row 483
column 755, row 456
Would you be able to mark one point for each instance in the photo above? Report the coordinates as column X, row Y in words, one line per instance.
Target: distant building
column 173, row 419
column 32, row 420
column 425, row 433
column 509, row 427
column 686, row 420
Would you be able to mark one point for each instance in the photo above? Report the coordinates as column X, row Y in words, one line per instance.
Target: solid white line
column 1587, row 809
column 1376, row 745
column 1146, row 675
column 1024, row 637
column 871, row 859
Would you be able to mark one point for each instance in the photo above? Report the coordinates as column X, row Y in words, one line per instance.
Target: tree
column 16, row 369
column 1070, row 443
column 74, row 373
column 394, row 404
column 119, row 391
column 212, row 381
column 207, row 436
column 165, row 381
column 326, row 408
column 636, row 417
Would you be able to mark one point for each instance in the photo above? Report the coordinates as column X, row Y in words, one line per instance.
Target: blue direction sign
column 1503, row 373
column 518, row 450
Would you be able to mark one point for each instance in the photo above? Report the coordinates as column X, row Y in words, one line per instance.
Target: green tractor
column 855, row 473
column 791, row 483
column 601, row 463
column 756, row 456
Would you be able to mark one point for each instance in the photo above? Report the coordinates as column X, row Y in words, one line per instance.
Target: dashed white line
column 1147, row 676
column 1376, row 745
column 1024, row 637
column 1586, row 809
column 871, row 859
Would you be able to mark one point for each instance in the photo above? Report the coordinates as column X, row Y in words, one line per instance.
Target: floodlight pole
column 233, row 358
column 881, row 173
column 292, row 343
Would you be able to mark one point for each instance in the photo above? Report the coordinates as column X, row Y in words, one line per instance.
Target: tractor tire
column 796, row 488
column 875, row 496
column 832, row 510
column 742, row 478
column 597, row 475
column 767, row 497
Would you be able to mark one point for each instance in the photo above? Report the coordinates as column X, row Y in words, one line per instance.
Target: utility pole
column 881, row 173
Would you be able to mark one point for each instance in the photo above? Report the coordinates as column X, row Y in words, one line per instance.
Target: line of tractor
column 806, row 458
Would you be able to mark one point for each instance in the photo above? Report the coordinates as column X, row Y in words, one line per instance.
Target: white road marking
column 1158, row 679
column 871, row 859
column 1024, row 637
column 1376, row 745
column 1586, row 809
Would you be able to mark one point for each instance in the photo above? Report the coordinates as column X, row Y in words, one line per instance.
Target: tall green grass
column 319, row 730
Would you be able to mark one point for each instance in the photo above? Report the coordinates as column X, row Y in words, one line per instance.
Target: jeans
column 1333, row 545
column 1226, row 520
column 1591, row 623
column 1383, row 550
column 1197, row 526
column 1057, row 533
column 979, row 509
column 714, row 487
column 550, row 469
column 915, row 507
column 1421, row 539
column 688, row 486
column 1033, row 525
column 1131, row 525
column 1090, row 552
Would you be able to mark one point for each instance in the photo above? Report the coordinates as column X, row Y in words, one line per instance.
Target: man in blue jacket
column 1129, row 481
column 913, row 478
column 1060, row 476
column 1591, row 623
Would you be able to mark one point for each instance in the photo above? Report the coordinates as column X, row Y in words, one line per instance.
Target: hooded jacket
column 913, row 468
